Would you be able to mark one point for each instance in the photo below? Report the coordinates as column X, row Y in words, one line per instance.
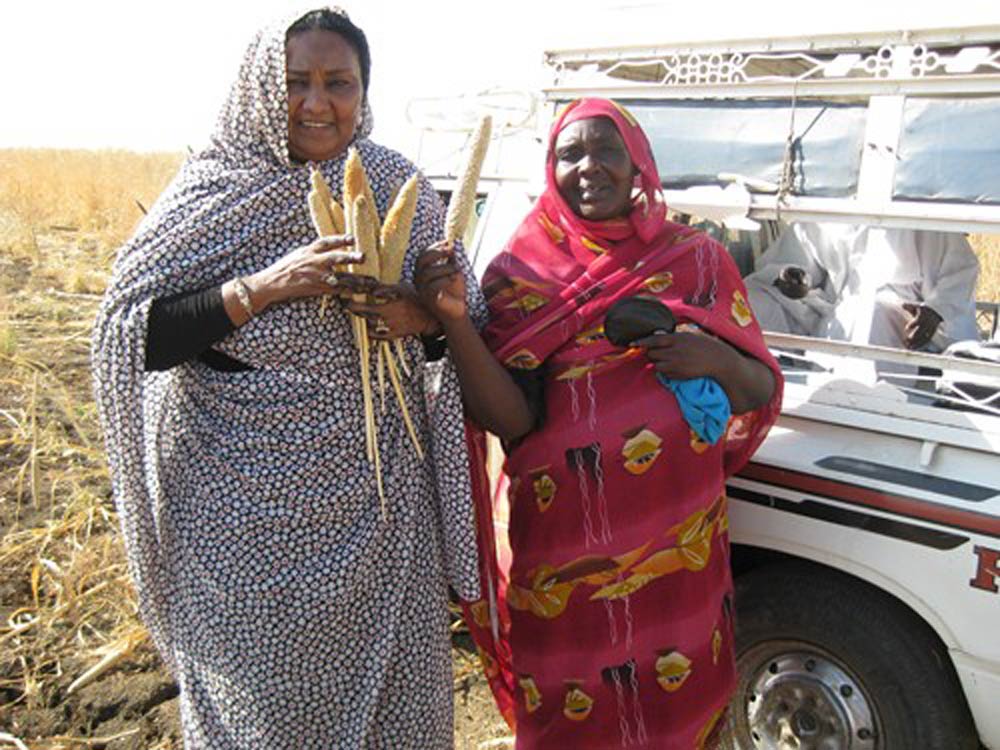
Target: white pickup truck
column 866, row 530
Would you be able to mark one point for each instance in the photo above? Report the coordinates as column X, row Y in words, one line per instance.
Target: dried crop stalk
column 352, row 189
column 118, row 652
column 380, row 370
column 33, row 455
column 366, row 231
column 320, row 216
column 371, row 428
column 326, row 214
column 12, row 740
column 396, row 230
column 398, row 387
column 366, row 238
column 384, row 250
column 356, row 184
column 463, row 200
column 395, row 241
column 319, row 205
column 401, row 354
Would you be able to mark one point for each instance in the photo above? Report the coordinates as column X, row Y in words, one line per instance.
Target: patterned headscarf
column 648, row 213
column 554, row 249
column 233, row 209
column 254, row 120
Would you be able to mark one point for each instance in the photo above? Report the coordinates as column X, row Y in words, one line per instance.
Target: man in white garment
column 890, row 287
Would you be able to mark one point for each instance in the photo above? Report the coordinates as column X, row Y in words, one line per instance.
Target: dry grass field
column 66, row 604
column 987, row 249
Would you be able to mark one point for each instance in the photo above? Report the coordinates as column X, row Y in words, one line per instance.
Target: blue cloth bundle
column 703, row 403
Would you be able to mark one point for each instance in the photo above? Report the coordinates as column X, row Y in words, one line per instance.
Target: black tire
column 839, row 665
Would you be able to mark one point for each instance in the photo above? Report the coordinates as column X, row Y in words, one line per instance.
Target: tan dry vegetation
column 987, row 249
column 94, row 192
column 65, row 598
column 66, row 602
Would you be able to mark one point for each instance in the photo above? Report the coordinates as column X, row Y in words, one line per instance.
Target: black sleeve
column 532, row 385
column 183, row 326
column 434, row 347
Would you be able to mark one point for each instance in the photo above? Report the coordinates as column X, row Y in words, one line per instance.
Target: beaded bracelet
column 243, row 295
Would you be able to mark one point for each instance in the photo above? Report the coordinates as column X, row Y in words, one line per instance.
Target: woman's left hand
column 747, row 382
column 687, row 355
column 441, row 284
column 922, row 325
column 394, row 311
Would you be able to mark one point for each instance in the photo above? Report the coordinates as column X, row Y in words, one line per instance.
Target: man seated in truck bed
column 888, row 287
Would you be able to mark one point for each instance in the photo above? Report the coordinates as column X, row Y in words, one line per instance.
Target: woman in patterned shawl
column 614, row 625
column 290, row 611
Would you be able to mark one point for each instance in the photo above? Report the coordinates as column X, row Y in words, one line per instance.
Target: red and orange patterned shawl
column 548, row 292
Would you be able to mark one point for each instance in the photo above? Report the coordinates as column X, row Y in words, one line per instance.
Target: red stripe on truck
column 870, row 498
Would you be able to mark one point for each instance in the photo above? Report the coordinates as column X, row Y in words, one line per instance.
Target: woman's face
column 593, row 169
column 325, row 94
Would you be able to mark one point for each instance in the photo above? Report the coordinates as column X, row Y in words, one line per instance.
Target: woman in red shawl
column 614, row 625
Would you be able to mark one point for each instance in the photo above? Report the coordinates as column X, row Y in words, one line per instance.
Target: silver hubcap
column 796, row 698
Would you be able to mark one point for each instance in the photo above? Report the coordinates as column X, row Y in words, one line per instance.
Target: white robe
column 860, row 277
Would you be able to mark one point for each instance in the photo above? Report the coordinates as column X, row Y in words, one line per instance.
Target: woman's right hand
column 309, row 271
column 440, row 283
column 793, row 281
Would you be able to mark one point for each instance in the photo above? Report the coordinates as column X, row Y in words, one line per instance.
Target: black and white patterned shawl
column 291, row 427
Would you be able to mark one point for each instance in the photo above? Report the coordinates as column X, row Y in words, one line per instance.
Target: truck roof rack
column 892, row 129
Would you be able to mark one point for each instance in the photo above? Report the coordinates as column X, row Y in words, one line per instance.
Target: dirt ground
column 135, row 708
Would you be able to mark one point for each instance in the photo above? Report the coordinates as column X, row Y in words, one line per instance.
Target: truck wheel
column 828, row 662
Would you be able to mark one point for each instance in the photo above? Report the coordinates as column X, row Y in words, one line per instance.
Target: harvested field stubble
column 65, row 596
column 76, row 667
column 95, row 192
column 987, row 249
